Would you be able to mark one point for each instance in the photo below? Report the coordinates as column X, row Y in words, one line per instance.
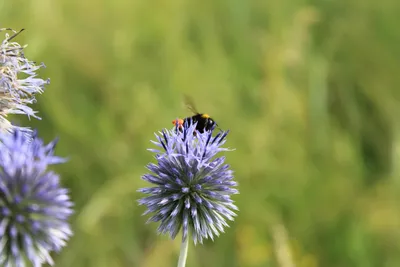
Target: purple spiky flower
column 18, row 81
column 34, row 208
column 193, row 187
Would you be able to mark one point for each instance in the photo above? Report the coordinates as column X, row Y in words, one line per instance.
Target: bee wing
column 190, row 104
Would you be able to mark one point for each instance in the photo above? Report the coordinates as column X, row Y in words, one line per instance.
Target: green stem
column 183, row 254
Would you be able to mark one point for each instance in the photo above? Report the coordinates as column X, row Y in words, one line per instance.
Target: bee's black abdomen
column 202, row 122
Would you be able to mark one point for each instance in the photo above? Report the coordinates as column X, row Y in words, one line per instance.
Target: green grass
column 309, row 90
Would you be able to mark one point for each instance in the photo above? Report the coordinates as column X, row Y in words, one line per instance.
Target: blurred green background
column 309, row 90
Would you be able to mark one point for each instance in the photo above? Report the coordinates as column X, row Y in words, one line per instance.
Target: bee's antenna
column 217, row 127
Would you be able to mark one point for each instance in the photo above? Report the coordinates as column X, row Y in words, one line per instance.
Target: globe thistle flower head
column 34, row 208
column 18, row 81
column 193, row 187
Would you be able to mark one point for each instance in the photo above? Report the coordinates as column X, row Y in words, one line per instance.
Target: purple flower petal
column 34, row 209
column 192, row 188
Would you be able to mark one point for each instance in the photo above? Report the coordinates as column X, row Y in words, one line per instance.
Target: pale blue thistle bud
column 18, row 81
column 193, row 186
column 34, row 208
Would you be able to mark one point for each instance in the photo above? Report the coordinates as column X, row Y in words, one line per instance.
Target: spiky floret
column 34, row 208
column 18, row 82
column 193, row 187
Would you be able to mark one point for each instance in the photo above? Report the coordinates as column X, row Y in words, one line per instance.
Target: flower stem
column 183, row 253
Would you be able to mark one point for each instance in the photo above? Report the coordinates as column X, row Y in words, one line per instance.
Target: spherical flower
column 193, row 187
column 34, row 208
column 18, row 81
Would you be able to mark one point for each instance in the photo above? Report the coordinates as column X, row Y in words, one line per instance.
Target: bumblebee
column 204, row 121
